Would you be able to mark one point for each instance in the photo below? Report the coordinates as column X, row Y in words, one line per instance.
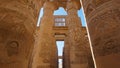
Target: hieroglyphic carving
column 45, row 52
column 107, row 47
column 44, row 66
column 106, row 30
column 18, row 41
column 80, row 58
column 100, row 2
column 12, row 48
column 18, row 28
column 7, row 61
column 77, row 38
column 89, row 8
column 106, row 19
column 32, row 7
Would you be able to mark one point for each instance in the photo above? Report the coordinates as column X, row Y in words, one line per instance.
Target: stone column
column 79, row 47
column 66, row 53
column 103, row 20
column 46, row 55
column 17, row 25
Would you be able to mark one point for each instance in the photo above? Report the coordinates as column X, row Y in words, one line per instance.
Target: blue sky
column 60, row 45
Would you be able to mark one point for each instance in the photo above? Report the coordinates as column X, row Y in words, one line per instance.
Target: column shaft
column 66, row 53
column 46, row 56
column 17, row 25
column 79, row 48
column 103, row 20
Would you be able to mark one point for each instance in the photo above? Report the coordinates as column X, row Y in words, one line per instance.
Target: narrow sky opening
column 60, row 63
column 60, row 45
column 40, row 16
column 81, row 15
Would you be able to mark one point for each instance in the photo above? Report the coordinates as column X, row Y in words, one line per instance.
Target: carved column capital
column 50, row 5
column 73, row 5
column 72, row 8
column 49, row 8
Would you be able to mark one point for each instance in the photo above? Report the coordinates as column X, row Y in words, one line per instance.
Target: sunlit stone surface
column 103, row 20
column 17, row 26
column 78, row 44
column 24, row 45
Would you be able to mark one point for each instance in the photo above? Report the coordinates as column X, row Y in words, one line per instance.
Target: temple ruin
column 24, row 45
